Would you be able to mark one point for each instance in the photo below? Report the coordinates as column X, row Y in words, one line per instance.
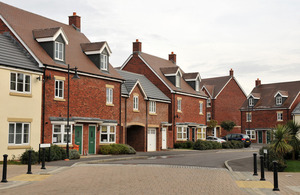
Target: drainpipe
column 120, row 116
column 125, row 122
column 173, row 118
column 44, row 97
column 146, row 124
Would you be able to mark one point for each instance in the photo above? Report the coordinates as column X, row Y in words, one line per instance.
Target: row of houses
column 59, row 87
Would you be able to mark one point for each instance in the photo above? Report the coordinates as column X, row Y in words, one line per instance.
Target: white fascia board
column 294, row 100
column 280, row 94
column 124, row 64
column 59, row 32
column 45, row 39
column 191, row 95
column 20, row 70
column 223, row 87
column 105, row 45
column 207, row 91
column 138, row 83
column 250, row 95
column 240, row 87
column 158, row 100
column 19, row 38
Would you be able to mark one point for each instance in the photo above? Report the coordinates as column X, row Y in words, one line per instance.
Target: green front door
column 260, row 137
column 78, row 137
column 268, row 137
column 92, row 140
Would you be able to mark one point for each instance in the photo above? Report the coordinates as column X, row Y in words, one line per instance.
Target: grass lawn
column 12, row 162
column 293, row 166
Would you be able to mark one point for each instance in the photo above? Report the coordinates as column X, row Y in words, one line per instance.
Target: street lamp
column 68, row 116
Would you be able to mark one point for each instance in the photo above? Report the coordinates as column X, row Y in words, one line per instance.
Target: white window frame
column 208, row 116
column 200, row 107
column 251, row 134
column 250, row 101
column 208, row 102
column 59, row 54
column 183, row 132
column 197, row 85
column 177, row 80
column 179, row 105
column 23, row 82
column 57, row 89
column 135, row 102
column 248, row 116
column 104, row 62
column 109, row 95
column 15, row 133
column 278, row 100
column 201, row 133
column 152, row 107
column 63, row 133
column 280, row 116
column 108, row 133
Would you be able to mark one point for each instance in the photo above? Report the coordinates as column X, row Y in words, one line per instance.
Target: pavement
column 95, row 174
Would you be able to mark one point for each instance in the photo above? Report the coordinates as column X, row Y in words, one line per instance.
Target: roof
column 267, row 92
column 150, row 89
column 169, row 70
column 24, row 23
column 214, row 85
column 157, row 63
column 96, row 46
column 42, row 33
column 297, row 109
column 14, row 55
column 190, row 76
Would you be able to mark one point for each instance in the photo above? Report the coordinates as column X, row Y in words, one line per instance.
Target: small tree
column 294, row 129
column 212, row 124
column 228, row 126
column 280, row 144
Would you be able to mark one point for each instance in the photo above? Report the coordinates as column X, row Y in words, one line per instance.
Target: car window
column 233, row 136
column 246, row 136
column 209, row 138
column 215, row 139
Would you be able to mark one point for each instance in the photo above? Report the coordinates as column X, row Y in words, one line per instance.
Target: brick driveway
column 133, row 179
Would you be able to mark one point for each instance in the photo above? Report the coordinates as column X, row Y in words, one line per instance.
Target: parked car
column 239, row 137
column 215, row 139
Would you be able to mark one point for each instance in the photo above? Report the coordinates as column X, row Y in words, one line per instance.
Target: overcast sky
column 256, row 38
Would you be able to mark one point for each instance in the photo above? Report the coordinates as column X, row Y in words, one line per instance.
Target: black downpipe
column 120, row 121
column 146, row 124
column 173, row 118
column 125, row 128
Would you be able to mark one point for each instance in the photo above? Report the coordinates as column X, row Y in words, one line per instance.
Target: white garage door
column 151, row 139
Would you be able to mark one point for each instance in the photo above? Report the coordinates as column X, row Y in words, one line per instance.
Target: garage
column 151, row 139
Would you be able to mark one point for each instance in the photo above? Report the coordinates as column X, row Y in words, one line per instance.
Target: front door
column 78, row 137
column 268, row 137
column 260, row 137
column 92, row 136
column 164, row 138
column 151, row 139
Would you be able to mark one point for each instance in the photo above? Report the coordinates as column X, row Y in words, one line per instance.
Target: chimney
column 231, row 72
column 257, row 82
column 137, row 46
column 75, row 21
column 172, row 57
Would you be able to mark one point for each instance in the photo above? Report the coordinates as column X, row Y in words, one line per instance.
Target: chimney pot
column 137, row 46
column 74, row 13
column 75, row 20
column 136, row 40
column 172, row 57
column 231, row 72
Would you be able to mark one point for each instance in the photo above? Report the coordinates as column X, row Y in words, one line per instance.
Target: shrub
column 56, row 153
column 25, row 156
column 189, row 144
column 209, row 145
column 227, row 145
column 237, row 144
column 216, row 145
column 74, row 154
column 200, row 145
column 273, row 156
column 117, row 149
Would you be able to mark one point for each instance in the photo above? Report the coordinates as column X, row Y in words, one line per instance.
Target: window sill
column 153, row 114
column 20, row 94
column 63, row 145
column 179, row 111
column 201, row 114
column 181, row 139
column 279, row 120
column 19, row 147
column 59, row 99
column 248, row 121
column 136, row 111
column 109, row 104
column 107, row 143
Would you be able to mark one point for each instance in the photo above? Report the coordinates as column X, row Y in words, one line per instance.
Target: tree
column 294, row 129
column 228, row 126
column 212, row 124
column 281, row 135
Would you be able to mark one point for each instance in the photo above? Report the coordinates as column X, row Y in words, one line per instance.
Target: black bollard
column 29, row 162
column 275, row 176
column 265, row 160
column 43, row 160
column 49, row 155
column 262, row 171
column 268, row 161
column 255, row 164
column 4, row 173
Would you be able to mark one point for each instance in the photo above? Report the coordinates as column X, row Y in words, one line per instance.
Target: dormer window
column 59, row 51
column 251, row 103
column 278, row 100
column 104, row 62
column 178, row 80
column 197, row 85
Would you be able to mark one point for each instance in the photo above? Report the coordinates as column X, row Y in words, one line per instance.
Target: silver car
column 215, row 139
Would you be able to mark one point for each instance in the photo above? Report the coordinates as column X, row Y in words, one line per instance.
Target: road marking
column 29, row 177
column 254, row 184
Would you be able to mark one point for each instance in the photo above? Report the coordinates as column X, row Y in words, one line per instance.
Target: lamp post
column 68, row 116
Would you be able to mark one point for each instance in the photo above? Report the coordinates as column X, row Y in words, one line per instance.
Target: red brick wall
column 87, row 99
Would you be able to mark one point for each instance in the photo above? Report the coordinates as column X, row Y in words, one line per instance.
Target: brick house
column 187, row 110
column 267, row 106
column 225, row 99
column 94, row 102
column 144, row 113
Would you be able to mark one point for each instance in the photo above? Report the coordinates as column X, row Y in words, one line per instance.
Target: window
column 59, row 89
column 248, row 116
column 251, row 102
column 208, row 116
column 208, row 102
column 18, row 133
column 279, row 116
column 179, row 104
column 152, row 107
column 278, row 100
column 197, row 85
column 251, row 134
column 109, row 95
column 135, row 102
column 104, row 62
column 59, row 51
column 201, row 133
column 181, row 133
column 177, row 84
column 20, row 83
column 201, row 107
column 60, row 134
column 108, row 134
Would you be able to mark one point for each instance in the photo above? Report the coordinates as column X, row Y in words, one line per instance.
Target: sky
column 256, row 38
